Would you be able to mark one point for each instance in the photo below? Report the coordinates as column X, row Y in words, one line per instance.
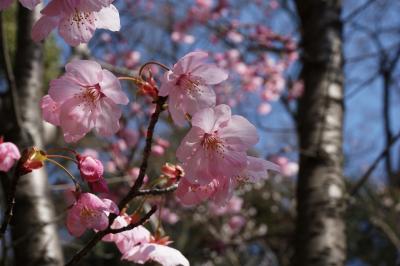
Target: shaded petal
column 5, row 4
column 64, row 88
column 73, row 223
column 30, row 4
column 164, row 255
column 108, row 115
column 76, row 31
column 111, row 87
column 50, row 110
column 42, row 28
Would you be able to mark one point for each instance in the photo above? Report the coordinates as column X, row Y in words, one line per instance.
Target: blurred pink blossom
column 9, row 154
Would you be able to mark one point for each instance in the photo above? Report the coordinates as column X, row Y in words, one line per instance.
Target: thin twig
column 146, row 153
column 382, row 155
column 157, row 191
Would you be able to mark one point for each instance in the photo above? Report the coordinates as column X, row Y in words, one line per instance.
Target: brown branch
column 99, row 235
column 382, row 155
column 157, row 191
column 146, row 153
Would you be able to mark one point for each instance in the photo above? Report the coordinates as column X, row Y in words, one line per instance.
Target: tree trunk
column 34, row 231
column 320, row 235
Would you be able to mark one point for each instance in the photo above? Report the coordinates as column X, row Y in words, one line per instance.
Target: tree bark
column 34, row 231
column 320, row 234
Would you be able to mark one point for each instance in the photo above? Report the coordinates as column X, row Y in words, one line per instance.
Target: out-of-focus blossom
column 264, row 108
column 169, row 216
column 157, row 150
column 30, row 4
column 87, row 97
column 216, row 145
column 187, row 86
column 89, row 212
column 134, row 173
column 287, row 168
column 256, row 170
column 236, row 223
column 233, row 206
column 9, row 154
column 76, row 20
column 219, row 191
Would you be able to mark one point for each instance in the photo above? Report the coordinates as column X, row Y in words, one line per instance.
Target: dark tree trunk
column 34, row 230
column 320, row 238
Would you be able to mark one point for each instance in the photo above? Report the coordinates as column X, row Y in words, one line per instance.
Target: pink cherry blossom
column 216, row 145
column 76, row 20
column 218, row 191
column 86, row 97
column 139, row 246
column 89, row 212
column 256, row 170
column 9, row 153
column 90, row 168
column 162, row 254
column 30, row 4
column 187, row 86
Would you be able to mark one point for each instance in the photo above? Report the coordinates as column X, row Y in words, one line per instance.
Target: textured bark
column 320, row 235
column 34, row 232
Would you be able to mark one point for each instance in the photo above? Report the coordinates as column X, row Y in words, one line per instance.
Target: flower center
column 211, row 142
column 82, row 18
column 189, row 83
column 86, row 213
column 90, row 94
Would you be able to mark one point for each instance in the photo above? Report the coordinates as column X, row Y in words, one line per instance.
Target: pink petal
column 64, row 88
column 42, row 28
column 108, row 18
column 164, row 255
column 189, row 62
column 50, row 110
column 87, row 72
column 108, row 115
column 190, row 144
column 73, row 223
column 93, row 5
column 210, row 119
column 5, row 4
column 111, row 87
column 210, row 74
column 76, row 32
column 30, row 4
column 239, row 133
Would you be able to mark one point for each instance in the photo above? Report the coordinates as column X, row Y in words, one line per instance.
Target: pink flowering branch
column 134, row 191
column 99, row 235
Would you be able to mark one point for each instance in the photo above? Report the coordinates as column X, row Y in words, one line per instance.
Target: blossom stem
column 65, row 170
column 152, row 63
column 62, row 149
column 62, row 157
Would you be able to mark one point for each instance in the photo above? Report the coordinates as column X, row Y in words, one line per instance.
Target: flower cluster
column 214, row 152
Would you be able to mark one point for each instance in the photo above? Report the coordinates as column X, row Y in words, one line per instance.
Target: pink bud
column 90, row 168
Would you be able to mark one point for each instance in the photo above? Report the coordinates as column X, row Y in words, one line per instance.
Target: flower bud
column 90, row 168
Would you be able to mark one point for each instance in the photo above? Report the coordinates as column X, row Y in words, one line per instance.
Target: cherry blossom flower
column 9, row 153
column 256, row 170
column 86, row 97
column 216, row 145
column 30, row 4
column 187, row 85
column 76, row 20
column 90, row 168
column 89, row 212
column 139, row 246
column 219, row 191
